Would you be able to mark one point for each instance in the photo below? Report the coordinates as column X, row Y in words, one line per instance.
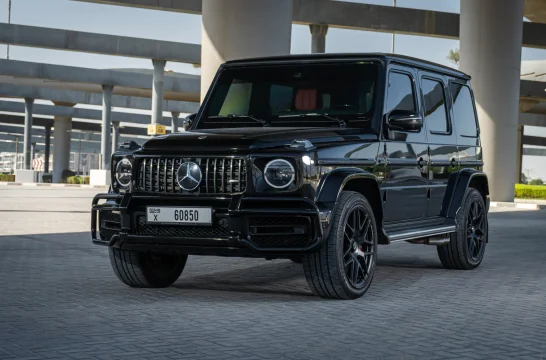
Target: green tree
column 536, row 182
column 523, row 178
column 453, row 56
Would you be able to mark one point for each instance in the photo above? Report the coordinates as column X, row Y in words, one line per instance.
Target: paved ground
column 60, row 299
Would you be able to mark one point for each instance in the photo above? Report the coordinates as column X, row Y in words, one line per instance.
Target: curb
column 5, row 183
column 514, row 205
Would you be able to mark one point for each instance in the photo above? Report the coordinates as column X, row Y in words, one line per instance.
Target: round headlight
column 279, row 174
column 124, row 170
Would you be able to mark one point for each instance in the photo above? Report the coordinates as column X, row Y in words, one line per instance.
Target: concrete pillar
column 318, row 38
column 238, row 29
column 62, row 133
column 105, row 147
column 47, row 146
column 491, row 42
column 32, row 154
column 519, row 158
column 28, row 133
column 115, row 136
column 174, row 121
column 157, row 91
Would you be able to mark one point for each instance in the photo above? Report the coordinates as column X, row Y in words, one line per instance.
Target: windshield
column 332, row 95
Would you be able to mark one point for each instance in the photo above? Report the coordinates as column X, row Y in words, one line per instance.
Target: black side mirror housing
column 188, row 121
column 401, row 120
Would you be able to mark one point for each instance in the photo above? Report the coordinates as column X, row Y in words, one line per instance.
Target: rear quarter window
column 463, row 111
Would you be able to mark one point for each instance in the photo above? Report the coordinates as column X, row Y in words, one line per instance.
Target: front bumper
column 242, row 226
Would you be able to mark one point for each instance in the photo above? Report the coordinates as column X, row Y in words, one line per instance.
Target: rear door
column 405, row 153
column 442, row 141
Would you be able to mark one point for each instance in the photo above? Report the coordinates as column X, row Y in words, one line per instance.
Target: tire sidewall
column 471, row 195
column 346, row 208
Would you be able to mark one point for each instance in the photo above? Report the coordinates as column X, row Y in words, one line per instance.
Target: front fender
column 457, row 185
column 331, row 184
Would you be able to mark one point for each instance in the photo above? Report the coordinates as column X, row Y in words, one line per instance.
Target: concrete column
column 318, row 38
column 157, row 91
column 115, row 136
column 62, row 133
column 174, row 121
column 519, row 158
column 490, row 41
column 238, row 29
column 47, row 147
column 105, row 144
column 28, row 133
column 32, row 154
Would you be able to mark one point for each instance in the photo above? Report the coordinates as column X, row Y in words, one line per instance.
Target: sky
column 171, row 26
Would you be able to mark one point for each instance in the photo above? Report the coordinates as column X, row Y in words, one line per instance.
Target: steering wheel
column 345, row 106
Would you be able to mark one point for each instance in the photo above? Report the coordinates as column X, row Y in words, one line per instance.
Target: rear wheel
column 145, row 269
column 466, row 248
column 344, row 266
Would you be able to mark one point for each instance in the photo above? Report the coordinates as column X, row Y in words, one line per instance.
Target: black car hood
column 237, row 140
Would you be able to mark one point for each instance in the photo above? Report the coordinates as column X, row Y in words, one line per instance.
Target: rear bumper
column 242, row 226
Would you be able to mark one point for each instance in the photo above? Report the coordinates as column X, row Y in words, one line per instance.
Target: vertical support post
column 105, row 146
column 318, row 38
column 492, row 34
column 47, row 147
column 174, row 121
column 115, row 136
column 392, row 46
column 32, row 153
column 28, row 132
column 519, row 159
column 62, row 132
column 157, row 91
column 16, row 152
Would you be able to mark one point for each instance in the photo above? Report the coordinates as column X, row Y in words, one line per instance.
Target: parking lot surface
column 60, row 299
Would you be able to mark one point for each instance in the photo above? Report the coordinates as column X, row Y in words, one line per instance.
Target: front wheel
column 145, row 269
column 344, row 266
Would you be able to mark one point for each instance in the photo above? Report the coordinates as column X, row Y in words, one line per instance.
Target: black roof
column 402, row 59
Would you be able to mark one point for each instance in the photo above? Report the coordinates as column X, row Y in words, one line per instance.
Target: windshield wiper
column 341, row 122
column 234, row 116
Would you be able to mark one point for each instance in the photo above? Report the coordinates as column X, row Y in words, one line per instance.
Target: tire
column 330, row 272
column 466, row 248
column 146, row 270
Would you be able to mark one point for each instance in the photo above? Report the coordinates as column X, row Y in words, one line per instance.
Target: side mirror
column 400, row 120
column 188, row 121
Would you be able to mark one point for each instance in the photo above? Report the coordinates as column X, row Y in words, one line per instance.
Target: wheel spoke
column 356, row 266
column 355, row 223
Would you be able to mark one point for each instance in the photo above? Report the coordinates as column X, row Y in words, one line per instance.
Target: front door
column 405, row 186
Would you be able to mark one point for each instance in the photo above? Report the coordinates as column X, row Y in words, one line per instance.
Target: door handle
column 453, row 162
column 421, row 162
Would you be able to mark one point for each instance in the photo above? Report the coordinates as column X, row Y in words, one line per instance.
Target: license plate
column 179, row 215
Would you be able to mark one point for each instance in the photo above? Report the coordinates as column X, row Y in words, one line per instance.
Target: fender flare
column 457, row 185
column 331, row 185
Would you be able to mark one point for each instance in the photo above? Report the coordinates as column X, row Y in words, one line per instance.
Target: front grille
column 219, row 229
column 109, row 224
column 279, row 231
column 220, row 175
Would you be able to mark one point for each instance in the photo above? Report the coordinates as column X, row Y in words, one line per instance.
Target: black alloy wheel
column 358, row 247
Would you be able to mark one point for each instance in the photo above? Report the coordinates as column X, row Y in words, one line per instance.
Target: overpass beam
column 47, row 147
column 157, row 90
column 62, row 133
column 105, row 145
column 242, row 28
column 27, row 138
column 318, row 38
column 491, row 42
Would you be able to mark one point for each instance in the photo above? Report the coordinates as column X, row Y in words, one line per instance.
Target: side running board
column 439, row 234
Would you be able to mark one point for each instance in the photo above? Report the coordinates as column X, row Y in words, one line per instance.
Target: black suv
column 313, row 158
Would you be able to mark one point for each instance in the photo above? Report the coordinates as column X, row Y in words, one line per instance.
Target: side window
column 435, row 106
column 463, row 109
column 237, row 99
column 400, row 94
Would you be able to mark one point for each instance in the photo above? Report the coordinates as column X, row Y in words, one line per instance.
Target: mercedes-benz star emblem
column 189, row 176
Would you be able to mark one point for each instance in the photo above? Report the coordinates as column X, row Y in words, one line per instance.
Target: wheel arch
column 458, row 183
column 352, row 179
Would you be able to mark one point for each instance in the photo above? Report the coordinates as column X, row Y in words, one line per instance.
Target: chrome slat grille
column 220, row 175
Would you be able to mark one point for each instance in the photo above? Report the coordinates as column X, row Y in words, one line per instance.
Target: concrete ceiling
column 535, row 10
